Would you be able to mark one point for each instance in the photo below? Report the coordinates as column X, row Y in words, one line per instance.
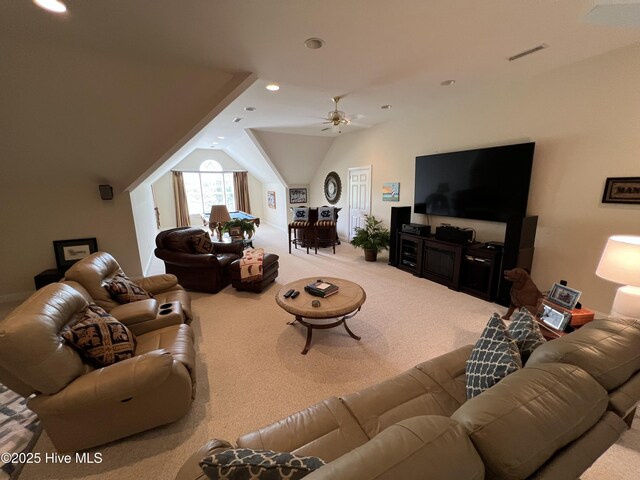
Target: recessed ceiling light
column 385, row 107
column 221, row 138
column 51, row 5
column 447, row 83
column 313, row 43
column 272, row 87
column 250, row 109
column 214, row 144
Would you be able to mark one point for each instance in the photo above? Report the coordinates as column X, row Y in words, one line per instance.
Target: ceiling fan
column 336, row 118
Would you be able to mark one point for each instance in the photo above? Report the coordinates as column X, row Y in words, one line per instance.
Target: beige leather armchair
column 94, row 271
column 81, row 406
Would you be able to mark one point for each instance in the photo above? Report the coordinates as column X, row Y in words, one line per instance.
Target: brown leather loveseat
column 551, row 419
column 202, row 272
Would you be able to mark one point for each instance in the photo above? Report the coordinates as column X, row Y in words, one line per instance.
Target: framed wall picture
column 69, row 252
column 391, row 192
column 297, row 195
column 622, row 190
column 271, row 199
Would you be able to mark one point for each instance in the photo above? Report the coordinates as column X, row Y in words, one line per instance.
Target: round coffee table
column 340, row 306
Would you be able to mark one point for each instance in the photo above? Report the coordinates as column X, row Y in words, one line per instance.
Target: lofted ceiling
column 376, row 52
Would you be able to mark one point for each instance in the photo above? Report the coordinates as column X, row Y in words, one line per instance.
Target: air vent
column 518, row 56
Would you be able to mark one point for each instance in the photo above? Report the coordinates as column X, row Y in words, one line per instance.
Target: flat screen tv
column 484, row 184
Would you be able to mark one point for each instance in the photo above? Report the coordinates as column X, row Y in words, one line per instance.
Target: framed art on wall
column 297, row 195
column 391, row 192
column 271, row 199
column 69, row 252
column 622, row 190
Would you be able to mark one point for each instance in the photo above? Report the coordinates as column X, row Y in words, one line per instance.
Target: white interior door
column 359, row 196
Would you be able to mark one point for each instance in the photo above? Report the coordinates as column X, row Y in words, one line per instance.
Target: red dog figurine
column 524, row 293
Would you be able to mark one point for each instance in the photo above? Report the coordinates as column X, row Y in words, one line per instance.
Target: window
column 209, row 186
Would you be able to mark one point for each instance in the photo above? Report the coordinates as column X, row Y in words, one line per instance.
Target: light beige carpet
column 250, row 371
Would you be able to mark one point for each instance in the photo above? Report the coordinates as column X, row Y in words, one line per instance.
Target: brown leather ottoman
column 269, row 273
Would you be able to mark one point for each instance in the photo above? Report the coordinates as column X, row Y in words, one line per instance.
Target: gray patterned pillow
column 248, row 464
column 494, row 356
column 525, row 331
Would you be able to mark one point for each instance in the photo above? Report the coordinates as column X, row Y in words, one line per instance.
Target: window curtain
column 241, row 187
column 180, row 196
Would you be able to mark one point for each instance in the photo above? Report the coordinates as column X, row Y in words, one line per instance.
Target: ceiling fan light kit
column 336, row 118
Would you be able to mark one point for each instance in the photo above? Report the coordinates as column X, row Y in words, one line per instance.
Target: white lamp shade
column 620, row 261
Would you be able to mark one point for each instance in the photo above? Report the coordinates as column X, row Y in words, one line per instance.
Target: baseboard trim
column 15, row 297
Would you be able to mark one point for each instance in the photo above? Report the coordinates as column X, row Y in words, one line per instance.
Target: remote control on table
column 295, row 294
column 289, row 293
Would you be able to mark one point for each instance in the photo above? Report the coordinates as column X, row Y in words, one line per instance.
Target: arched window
column 211, row 185
column 210, row 166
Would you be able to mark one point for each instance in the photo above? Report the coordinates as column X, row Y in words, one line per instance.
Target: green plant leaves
column 373, row 236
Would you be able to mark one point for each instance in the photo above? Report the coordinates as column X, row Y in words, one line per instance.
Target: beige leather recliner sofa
column 94, row 271
column 81, row 406
column 551, row 419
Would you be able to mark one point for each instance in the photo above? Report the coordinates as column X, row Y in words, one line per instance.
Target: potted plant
column 244, row 227
column 372, row 238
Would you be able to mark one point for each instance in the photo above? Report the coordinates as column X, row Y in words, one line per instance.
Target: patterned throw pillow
column 325, row 213
column 248, row 464
column 525, row 331
column 123, row 290
column 301, row 214
column 100, row 338
column 202, row 243
column 494, row 356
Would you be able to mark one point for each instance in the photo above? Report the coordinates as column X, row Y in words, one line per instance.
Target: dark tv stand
column 473, row 268
column 429, row 258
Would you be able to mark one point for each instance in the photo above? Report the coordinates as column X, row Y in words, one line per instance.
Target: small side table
column 579, row 318
column 48, row 276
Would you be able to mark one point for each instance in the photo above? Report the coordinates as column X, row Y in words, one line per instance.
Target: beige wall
column 71, row 120
column 278, row 216
column 164, row 186
column 585, row 121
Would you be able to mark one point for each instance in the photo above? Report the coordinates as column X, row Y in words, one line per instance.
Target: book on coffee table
column 321, row 289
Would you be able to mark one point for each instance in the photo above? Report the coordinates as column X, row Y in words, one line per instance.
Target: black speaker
column 519, row 240
column 399, row 215
column 106, row 192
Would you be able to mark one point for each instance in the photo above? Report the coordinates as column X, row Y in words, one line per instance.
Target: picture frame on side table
column 297, row 195
column 564, row 296
column 68, row 252
column 555, row 319
column 622, row 190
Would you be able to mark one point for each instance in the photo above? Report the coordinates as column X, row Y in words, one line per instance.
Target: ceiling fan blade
column 325, row 129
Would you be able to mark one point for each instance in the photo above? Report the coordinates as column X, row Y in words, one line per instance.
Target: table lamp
column 620, row 263
column 219, row 216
